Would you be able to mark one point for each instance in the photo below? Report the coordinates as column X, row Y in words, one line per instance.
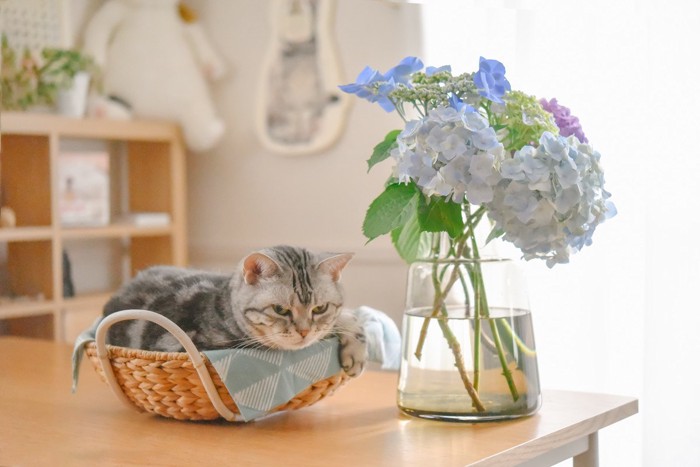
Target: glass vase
column 468, row 351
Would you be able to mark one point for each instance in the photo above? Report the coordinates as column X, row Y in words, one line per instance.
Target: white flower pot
column 72, row 102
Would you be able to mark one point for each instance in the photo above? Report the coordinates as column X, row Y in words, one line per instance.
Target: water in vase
column 495, row 356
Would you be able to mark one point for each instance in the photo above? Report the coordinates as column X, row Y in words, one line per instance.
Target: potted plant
column 67, row 72
column 20, row 79
column 58, row 77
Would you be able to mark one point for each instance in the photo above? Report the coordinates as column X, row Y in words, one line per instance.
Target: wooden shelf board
column 25, row 234
column 27, row 123
column 24, row 308
column 87, row 300
column 115, row 231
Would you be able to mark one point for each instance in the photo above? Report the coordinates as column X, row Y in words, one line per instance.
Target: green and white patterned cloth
column 261, row 379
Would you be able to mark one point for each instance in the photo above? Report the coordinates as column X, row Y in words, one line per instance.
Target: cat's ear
column 258, row 266
column 333, row 265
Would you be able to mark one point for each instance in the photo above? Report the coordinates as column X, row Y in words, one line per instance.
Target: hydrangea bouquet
column 472, row 150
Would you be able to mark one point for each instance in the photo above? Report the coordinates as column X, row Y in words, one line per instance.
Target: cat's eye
column 320, row 309
column 280, row 310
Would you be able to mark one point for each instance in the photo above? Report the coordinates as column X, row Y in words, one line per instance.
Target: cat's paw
column 353, row 345
column 353, row 354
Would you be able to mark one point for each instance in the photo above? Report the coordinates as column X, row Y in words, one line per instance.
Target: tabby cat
column 282, row 298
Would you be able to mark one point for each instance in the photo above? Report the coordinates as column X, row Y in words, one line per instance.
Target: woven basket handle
column 182, row 338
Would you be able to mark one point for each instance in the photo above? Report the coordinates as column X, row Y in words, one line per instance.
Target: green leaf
column 494, row 234
column 383, row 149
column 390, row 210
column 410, row 241
column 439, row 215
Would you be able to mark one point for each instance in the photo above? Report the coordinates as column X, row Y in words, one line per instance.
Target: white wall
column 243, row 197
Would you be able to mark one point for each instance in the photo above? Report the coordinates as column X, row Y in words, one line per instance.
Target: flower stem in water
column 459, row 363
column 482, row 309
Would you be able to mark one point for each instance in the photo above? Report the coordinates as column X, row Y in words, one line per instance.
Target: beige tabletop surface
column 42, row 423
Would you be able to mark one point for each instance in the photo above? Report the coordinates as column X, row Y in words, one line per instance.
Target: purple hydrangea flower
column 568, row 124
column 490, row 80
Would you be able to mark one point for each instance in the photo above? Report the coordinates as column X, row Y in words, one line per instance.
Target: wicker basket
column 180, row 385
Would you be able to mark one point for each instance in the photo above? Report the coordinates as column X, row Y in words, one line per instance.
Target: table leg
column 589, row 458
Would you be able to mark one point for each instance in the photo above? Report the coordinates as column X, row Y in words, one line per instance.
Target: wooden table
column 42, row 423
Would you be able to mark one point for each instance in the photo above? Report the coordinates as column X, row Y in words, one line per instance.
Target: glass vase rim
column 463, row 260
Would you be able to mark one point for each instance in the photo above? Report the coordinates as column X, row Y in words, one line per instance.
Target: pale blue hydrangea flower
column 413, row 165
column 450, row 153
column 551, row 198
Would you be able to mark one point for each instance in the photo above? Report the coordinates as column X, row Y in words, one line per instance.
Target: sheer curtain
column 622, row 316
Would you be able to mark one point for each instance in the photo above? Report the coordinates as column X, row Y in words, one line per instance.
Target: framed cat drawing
column 300, row 109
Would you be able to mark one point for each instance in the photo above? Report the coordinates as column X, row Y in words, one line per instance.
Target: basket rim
column 132, row 352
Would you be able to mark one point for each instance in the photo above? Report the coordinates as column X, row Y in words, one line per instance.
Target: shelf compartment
column 146, row 192
column 30, row 268
column 26, row 178
column 150, row 251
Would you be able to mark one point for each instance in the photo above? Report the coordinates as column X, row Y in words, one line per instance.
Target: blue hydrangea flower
column 362, row 87
column 459, row 105
column 431, row 70
column 490, row 80
column 376, row 87
column 372, row 86
column 402, row 72
column 551, row 198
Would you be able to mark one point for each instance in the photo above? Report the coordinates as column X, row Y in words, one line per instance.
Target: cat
column 281, row 297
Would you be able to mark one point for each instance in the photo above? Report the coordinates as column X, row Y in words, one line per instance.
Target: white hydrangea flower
column 551, row 198
column 450, row 153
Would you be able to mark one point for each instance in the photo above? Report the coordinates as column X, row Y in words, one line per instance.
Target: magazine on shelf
column 83, row 179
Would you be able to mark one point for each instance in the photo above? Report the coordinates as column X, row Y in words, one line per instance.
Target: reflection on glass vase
column 468, row 345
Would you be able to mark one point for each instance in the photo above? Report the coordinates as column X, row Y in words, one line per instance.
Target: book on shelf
column 147, row 219
column 83, row 179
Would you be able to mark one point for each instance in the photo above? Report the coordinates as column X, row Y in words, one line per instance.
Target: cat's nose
column 303, row 332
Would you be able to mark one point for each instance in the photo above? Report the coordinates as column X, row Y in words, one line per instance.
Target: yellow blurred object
column 7, row 217
column 187, row 14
